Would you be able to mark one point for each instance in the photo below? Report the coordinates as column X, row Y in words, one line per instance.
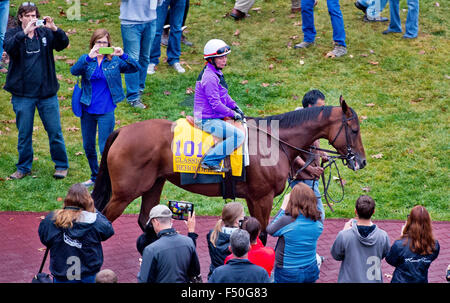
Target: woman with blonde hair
column 298, row 226
column 101, row 85
column 413, row 252
column 219, row 238
column 73, row 235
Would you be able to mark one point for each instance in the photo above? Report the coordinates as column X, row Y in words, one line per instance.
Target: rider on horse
column 212, row 104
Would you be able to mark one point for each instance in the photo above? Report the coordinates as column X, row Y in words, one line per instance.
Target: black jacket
column 37, row 80
column 239, row 271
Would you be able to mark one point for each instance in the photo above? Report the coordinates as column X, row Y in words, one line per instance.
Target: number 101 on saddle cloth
column 191, row 143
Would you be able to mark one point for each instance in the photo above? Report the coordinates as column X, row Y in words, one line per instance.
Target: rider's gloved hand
column 239, row 110
column 238, row 116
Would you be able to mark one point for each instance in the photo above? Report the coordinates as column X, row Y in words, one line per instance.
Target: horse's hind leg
column 115, row 207
column 149, row 199
column 260, row 209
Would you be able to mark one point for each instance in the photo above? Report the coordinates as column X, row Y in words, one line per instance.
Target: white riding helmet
column 215, row 48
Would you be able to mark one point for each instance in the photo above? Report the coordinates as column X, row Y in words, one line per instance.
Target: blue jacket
column 239, row 271
column 112, row 69
column 83, row 241
column 296, row 246
column 409, row 266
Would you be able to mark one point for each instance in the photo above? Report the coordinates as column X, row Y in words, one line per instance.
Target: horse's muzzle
column 355, row 163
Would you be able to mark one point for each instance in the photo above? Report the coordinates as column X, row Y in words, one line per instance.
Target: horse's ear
column 345, row 107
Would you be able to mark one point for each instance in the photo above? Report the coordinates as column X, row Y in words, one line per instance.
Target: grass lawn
column 399, row 88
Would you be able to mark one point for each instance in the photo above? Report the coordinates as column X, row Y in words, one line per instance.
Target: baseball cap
column 159, row 211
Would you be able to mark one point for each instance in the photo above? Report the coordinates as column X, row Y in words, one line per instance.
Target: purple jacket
column 211, row 100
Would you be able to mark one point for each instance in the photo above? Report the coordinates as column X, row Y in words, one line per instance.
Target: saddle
column 189, row 146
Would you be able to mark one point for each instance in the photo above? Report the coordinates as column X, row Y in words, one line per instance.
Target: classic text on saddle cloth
column 190, row 144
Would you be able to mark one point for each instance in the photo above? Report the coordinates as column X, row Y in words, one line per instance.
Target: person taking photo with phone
column 170, row 259
column 32, row 82
column 101, row 82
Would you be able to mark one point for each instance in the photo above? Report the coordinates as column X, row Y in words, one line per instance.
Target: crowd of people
column 237, row 255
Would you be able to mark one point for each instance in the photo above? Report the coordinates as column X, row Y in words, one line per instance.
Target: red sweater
column 259, row 255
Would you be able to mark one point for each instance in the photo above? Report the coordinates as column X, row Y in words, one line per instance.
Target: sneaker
column 151, row 69
column 60, row 174
column 19, row 175
column 304, row 44
column 88, row 183
column 361, row 7
column 177, row 66
column 216, row 168
column 338, row 51
column 376, row 19
column 137, row 104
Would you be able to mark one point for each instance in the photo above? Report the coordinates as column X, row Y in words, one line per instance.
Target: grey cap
column 159, row 211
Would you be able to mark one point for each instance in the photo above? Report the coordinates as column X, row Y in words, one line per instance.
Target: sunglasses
column 28, row 4
column 223, row 50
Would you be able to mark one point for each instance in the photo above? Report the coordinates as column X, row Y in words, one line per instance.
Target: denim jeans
column 4, row 13
column 314, row 185
column 412, row 19
column 176, row 20
column 221, row 129
column 337, row 21
column 307, row 274
column 374, row 7
column 137, row 42
column 89, row 124
column 48, row 110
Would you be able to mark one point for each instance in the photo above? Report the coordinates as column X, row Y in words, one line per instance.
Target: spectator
column 101, row 91
column 298, row 226
column 138, row 26
column 361, row 246
column 106, row 276
column 32, row 82
column 258, row 254
column 337, row 22
column 170, row 259
column 241, row 8
column 166, row 28
column 372, row 9
column 177, row 9
column 239, row 269
column 412, row 254
column 4, row 14
column 310, row 175
column 412, row 19
column 149, row 236
column 219, row 238
column 74, row 235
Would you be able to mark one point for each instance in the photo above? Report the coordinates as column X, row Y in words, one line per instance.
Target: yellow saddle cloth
column 190, row 144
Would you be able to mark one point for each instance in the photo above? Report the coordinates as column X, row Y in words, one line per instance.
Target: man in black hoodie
column 32, row 82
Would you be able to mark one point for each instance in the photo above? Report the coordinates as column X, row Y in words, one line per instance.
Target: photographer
column 172, row 258
column 32, row 82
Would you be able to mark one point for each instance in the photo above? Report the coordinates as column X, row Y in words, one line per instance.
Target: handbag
column 76, row 98
column 42, row 277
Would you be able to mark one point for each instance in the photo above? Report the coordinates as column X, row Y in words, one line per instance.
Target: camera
column 41, row 22
column 180, row 209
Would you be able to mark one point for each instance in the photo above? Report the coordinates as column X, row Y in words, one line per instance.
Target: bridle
column 350, row 156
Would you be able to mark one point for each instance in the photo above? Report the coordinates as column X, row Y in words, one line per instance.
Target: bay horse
column 137, row 159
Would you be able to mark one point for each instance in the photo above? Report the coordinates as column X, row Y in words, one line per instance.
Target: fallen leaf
column 71, row 31
column 59, row 77
column 437, row 4
column 235, row 43
column 59, row 199
column 72, row 129
column 243, row 82
column 422, row 52
column 256, row 9
column 272, row 20
column 362, row 118
column 58, row 57
column 62, row 13
column 71, row 61
column 294, row 37
column 377, row 156
column 410, row 151
column 373, row 62
column 271, row 66
column 183, row 113
column 167, row 93
column 366, row 188
column 299, row 23
column 371, row 72
column 236, row 33
column 364, row 55
column 302, row 62
column 189, row 91
column 417, row 100
column 330, row 55
column 265, row 84
column 108, row 3
column 78, row 153
column 370, row 104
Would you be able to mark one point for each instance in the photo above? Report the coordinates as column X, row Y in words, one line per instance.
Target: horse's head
column 346, row 136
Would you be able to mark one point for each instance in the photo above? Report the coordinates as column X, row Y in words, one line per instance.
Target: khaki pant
column 244, row 5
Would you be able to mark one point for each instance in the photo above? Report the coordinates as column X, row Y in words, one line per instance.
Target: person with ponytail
column 74, row 235
column 219, row 238
column 413, row 252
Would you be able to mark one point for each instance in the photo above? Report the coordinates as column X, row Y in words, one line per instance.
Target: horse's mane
column 296, row 117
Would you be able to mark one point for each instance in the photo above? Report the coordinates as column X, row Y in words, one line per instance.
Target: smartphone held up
column 106, row 50
column 181, row 209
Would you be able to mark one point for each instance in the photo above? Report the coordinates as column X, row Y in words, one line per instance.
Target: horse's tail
column 102, row 188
